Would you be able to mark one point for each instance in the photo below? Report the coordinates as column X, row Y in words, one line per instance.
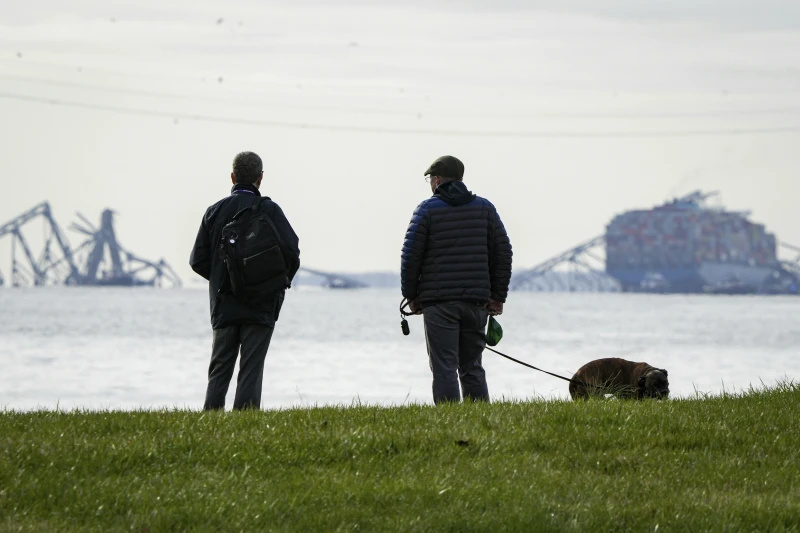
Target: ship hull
column 707, row 277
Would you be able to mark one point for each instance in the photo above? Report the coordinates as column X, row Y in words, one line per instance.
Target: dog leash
column 404, row 326
column 577, row 382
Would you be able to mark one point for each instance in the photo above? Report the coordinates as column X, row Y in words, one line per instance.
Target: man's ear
column 258, row 181
column 233, row 178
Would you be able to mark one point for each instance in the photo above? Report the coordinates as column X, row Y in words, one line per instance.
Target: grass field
column 728, row 463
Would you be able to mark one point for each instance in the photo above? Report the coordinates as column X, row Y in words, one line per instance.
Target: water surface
column 123, row 348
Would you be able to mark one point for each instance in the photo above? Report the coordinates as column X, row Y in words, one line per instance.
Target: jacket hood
column 454, row 193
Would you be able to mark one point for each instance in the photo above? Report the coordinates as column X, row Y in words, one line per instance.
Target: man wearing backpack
column 246, row 290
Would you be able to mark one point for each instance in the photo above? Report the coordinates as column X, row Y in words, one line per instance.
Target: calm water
column 147, row 348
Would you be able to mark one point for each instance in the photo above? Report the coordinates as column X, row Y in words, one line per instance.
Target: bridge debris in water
column 334, row 281
column 98, row 261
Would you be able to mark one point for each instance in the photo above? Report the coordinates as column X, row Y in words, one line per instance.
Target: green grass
column 729, row 463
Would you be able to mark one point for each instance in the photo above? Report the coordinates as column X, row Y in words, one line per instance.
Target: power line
column 230, row 100
column 402, row 131
column 410, row 113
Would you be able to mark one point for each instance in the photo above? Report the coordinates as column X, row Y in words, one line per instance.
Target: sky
column 564, row 114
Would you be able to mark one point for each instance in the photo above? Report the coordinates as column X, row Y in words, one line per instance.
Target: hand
column 495, row 308
column 414, row 307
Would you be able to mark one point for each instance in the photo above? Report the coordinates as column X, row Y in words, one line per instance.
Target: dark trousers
column 253, row 339
column 455, row 333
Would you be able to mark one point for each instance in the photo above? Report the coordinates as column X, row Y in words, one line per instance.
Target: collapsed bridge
column 99, row 260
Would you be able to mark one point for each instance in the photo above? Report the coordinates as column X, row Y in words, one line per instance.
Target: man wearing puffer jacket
column 454, row 269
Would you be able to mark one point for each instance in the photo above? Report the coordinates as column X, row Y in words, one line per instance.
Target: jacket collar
column 245, row 188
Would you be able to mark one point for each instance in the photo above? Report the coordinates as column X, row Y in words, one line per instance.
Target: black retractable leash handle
column 403, row 314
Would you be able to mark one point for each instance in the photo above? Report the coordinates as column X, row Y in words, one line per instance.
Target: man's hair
column 247, row 167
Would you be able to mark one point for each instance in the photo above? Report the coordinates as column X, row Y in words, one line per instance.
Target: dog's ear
column 664, row 370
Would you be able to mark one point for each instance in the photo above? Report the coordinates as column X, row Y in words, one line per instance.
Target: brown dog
column 622, row 378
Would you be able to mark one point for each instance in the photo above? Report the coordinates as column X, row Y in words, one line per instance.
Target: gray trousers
column 253, row 339
column 455, row 333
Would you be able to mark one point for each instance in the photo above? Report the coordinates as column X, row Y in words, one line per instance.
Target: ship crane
column 698, row 197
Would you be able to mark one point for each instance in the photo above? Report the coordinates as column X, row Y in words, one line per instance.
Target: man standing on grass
column 455, row 268
column 243, row 321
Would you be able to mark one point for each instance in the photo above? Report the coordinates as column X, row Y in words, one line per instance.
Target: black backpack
column 253, row 253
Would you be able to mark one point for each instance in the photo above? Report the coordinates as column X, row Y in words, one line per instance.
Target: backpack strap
column 257, row 202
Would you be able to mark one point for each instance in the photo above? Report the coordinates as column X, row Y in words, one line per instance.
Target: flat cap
column 446, row 166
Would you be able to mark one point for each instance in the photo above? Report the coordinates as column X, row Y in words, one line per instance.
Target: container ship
column 685, row 246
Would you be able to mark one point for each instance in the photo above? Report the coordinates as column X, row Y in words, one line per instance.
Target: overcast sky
column 564, row 113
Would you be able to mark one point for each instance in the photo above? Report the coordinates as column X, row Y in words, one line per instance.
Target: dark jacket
column 456, row 249
column 226, row 310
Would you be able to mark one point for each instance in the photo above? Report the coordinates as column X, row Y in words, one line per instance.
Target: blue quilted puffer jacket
column 456, row 249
